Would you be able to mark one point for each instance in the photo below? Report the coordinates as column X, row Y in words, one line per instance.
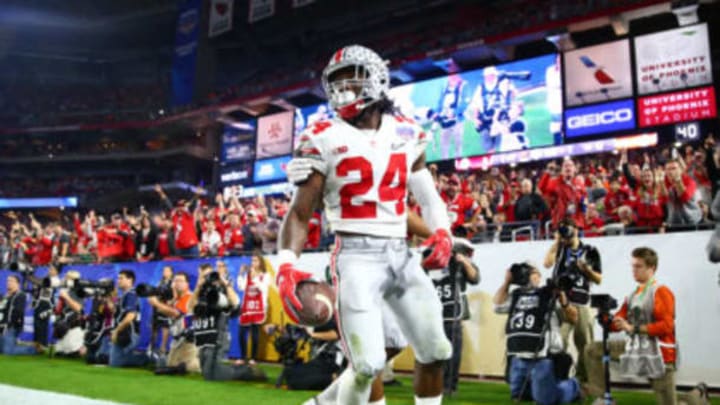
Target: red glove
column 287, row 280
column 440, row 244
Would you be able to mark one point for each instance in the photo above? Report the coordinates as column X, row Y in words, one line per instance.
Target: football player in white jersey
column 365, row 161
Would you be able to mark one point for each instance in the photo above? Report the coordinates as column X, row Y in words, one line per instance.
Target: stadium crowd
column 650, row 190
column 90, row 104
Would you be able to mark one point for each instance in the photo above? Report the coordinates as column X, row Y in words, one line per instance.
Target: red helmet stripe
column 338, row 56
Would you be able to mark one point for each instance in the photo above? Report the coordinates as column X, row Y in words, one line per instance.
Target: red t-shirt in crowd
column 233, row 238
column 163, row 244
column 649, row 208
column 185, row 232
column 614, row 200
column 458, row 207
column 565, row 198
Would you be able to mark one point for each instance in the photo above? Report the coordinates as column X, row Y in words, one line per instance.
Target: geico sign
column 234, row 175
column 600, row 118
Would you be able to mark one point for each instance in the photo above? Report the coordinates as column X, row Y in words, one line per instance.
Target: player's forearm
column 293, row 232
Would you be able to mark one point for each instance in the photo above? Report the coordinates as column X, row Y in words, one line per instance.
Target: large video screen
column 306, row 116
column 512, row 106
column 598, row 73
column 238, row 142
column 274, row 135
column 674, row 59
column 274, row 169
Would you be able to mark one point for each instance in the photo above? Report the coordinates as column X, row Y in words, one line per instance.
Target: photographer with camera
column 160, row 322
column 12, row 318
column 575, row 265
column 538, row 367
column 451, row 285
column 125, row 336
column 42, row 303
column 183, row 356
column 650, row 351
column 213, row 302
column 99, row 324
column 326, row 358
column 68, row 329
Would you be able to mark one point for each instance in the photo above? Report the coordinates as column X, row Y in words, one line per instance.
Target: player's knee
column 434, row 351
column 365, row 372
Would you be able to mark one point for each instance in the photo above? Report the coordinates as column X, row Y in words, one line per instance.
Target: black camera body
column 604, row 303
column 520, row 274
column 163, row 292
column 209, row 296
column 288, row 342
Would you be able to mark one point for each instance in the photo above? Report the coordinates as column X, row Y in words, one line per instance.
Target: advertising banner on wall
column 600, row 118
column 274, row 135
column 221, row 13
column 598, row 73
column 240, row 173
column 674, row 59
column 681, row 106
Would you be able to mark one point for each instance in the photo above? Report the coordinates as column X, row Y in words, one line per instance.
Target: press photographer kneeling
column 125, row 336
column 173, row 304
column 68, row 329
column 538, row 367
column 213, row 302
column 650, row 350
column 577, row 264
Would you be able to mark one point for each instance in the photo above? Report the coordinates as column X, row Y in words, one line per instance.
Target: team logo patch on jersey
column 340, row 150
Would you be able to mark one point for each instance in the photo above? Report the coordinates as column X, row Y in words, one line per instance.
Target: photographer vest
column 642, row 357
column 208, row 329
column 7, row 308
column 526, row 322
column 579, row 292
column 451, row 289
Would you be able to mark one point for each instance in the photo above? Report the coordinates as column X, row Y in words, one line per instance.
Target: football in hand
column 318, row 301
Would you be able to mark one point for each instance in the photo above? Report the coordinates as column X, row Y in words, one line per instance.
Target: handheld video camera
column 163, row 292
column 520, row 274
column 209, row 297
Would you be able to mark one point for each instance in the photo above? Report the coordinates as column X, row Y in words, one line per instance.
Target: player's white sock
column 429, row 400
column 380, row 401
column 352, row 390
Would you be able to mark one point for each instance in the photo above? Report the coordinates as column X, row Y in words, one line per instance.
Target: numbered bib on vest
column 642, row 358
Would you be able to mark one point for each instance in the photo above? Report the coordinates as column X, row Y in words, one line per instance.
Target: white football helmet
column 371, row 76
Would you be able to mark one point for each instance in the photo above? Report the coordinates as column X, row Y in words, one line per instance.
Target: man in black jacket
column 530, row 205
column 12, row 317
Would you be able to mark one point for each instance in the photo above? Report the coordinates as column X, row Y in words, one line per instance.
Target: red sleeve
column 78, row 227
column 544, row 185
column 664, row 313
column 690, row 188
column 622, row 313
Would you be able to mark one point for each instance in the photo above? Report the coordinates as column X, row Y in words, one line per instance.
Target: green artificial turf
column 137, row 386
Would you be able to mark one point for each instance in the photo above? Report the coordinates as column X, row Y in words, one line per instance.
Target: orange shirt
column 182, row 303
column 664, row 326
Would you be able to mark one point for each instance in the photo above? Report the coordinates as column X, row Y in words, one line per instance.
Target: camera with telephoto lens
column 209, row 296
column 520, row 274
column 163, row 292
column 89, row 288
column 22, row 268
column 565, row 231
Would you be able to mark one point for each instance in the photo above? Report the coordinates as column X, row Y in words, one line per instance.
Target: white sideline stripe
column 27, row 396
